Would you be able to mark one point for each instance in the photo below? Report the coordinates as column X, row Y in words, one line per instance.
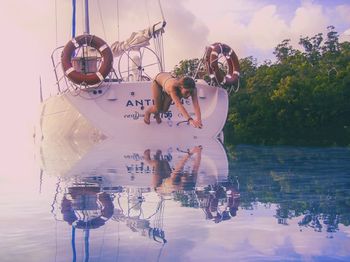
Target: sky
column 250, row 27
column 30, row 30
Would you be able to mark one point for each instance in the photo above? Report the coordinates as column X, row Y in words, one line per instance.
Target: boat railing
column 132, row 66
column 59, row 74
column 64, row 84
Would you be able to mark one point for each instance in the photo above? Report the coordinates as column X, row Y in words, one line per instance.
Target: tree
column 302, row 99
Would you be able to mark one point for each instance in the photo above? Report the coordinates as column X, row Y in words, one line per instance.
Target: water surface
column 177, row 203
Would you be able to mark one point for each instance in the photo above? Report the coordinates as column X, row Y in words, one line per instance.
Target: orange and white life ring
column 212, row 57
column 81, row 77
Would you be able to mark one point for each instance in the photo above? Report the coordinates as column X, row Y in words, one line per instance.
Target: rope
column 183, row 151
column 232, row 88
column 183, row 122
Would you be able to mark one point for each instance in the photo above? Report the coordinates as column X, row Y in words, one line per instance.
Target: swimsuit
column 166, row 80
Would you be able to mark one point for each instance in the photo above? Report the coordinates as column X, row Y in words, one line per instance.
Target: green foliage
column 187, row 67
column 302, row 99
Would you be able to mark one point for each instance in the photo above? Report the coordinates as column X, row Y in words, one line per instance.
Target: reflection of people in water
column 87, row 200
column 220, row 201
column 160, row 165
column 179, row 178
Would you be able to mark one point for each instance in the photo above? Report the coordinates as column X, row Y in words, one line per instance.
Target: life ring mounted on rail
column 213, row 53
column 81, row 74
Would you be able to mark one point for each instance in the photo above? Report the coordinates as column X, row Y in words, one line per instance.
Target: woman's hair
column 188, row 82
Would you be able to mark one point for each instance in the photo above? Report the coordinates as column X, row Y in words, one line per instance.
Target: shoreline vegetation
column 301, row 99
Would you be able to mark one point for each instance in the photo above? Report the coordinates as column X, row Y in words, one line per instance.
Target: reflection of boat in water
column 113, row 182
column 94, row 98
column 129, row 164
column 85, row 204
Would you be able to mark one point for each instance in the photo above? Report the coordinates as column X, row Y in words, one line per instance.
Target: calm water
column 107, row 202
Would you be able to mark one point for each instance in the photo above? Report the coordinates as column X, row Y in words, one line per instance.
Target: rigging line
column 155, row 213
column 158, row 51
column 118, row 20
column 118, row 200
column 149, row 21
column 161, row 10
column 118, row 242
column 82, row 15
column 100, row 13
column 56, row 241
column 56, row 29
column 162, row 48
column 161, row 215
column 41, row 180
column 103, row 243
column 157, row 47
column 160, row 252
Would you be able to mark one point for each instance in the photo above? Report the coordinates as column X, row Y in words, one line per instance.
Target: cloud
column 266, row 28
column 309, row 19
column 342, row 12
column 345, row 36
column 252, row 28
column 186, row 36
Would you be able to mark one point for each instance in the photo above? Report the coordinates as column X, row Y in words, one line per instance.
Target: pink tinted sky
column 251, row 27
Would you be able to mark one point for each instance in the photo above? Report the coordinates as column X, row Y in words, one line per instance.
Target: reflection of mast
column 74, row 251
column 86, row 244
column 85, row 207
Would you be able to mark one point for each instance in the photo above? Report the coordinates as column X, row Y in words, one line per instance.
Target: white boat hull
column 117, row 110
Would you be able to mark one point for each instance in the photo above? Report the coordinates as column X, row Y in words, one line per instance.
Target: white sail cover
column 137, row 39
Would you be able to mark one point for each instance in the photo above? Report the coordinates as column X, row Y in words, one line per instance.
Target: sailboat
column 96, row 98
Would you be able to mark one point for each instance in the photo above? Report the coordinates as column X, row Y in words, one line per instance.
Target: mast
column 87, row 25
